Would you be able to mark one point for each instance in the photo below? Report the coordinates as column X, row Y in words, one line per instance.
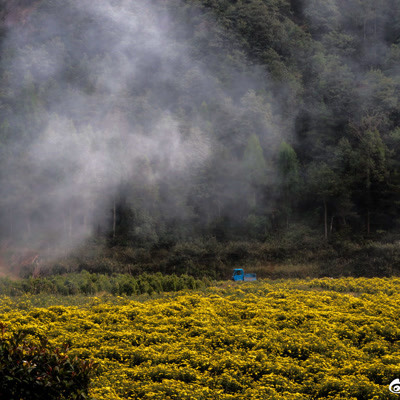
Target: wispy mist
column 101, row 90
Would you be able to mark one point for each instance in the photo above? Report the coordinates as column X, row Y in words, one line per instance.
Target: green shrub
column 30, row 371
column 87, row 283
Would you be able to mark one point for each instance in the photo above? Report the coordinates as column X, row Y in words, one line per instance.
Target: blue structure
column 239, row 275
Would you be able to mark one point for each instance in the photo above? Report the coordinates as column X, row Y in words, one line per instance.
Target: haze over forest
column 152, row 124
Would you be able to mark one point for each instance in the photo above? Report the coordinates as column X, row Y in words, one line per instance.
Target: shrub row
column 92, row 283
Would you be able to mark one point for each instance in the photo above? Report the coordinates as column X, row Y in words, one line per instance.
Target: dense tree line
column 287, row 113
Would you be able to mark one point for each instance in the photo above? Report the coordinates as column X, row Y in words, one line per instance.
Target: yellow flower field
column 293, row 339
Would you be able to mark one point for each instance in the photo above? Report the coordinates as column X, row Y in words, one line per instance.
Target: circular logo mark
column 394, row 386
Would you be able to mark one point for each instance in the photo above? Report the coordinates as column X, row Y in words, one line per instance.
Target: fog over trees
column 151, row 124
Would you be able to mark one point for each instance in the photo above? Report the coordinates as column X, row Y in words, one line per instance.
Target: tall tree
column 323, row 184
column 289, row 177
column 370, row 165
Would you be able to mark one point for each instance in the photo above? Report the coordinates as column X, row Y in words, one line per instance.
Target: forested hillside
column 171, row 130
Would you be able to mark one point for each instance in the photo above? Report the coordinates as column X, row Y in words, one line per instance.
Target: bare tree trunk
column 368, row 200
column 331, row 227
column 85, row 227
column 365, row 29
column 114, row 228
column 28, row 225
column 325, row 219
column 70, row 223
column 65, row 224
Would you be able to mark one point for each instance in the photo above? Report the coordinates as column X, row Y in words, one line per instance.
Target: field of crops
column 292, row 339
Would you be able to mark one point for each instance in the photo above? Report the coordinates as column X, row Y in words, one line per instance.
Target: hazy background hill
column 194, row 136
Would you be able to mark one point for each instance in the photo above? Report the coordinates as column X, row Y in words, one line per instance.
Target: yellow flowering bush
column 290, row 339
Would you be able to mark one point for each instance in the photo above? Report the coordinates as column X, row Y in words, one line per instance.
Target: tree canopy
column 154, row 122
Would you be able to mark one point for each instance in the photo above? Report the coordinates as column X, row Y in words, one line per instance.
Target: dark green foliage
column 31, row 370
